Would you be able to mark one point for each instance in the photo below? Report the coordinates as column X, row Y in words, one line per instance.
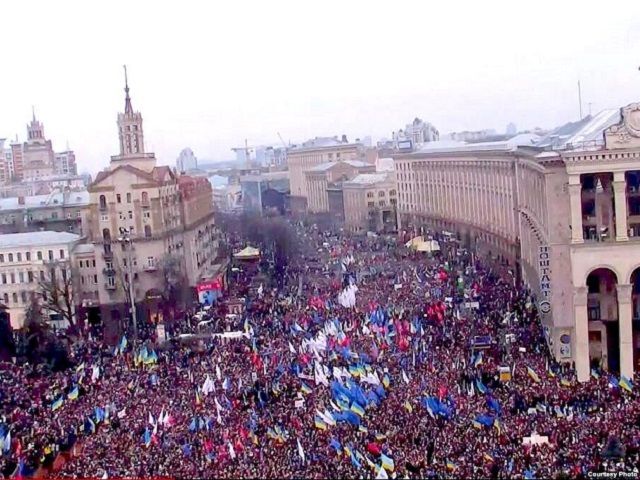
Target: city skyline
column 272, row 70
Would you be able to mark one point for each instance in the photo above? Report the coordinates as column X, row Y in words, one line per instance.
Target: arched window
column 106, row 235
column 145, row 198
column 147, row 231
column 103, row 202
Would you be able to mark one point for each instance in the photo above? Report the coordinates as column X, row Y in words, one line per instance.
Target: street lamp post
column 124, row 239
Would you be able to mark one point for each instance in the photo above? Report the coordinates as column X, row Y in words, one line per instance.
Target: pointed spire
column 33, row 112
column 128, row 109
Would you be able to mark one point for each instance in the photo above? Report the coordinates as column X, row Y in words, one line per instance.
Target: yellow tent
column 248, row 253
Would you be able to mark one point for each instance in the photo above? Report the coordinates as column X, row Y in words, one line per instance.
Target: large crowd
column 430, row 366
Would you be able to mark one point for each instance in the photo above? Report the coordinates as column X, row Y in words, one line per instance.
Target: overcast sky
column 209, row 74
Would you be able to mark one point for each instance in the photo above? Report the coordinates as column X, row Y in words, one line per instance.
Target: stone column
column 625, row 317
column 575, row 194
column 620, row 199
column 581, row 329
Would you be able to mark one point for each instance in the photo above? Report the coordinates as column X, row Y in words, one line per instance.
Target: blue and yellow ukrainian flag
column 73, row 394
column 357, row 409
column 626, row 383
column 305, row 389
column 386, row 381
column 363, row 429
column 595, row 374
column 320, row 424
column 487, row 457
column 387, row 463
column 451, row 466
column 565, row 383
column 57, row 404
column 476, row 424
column 408, row 407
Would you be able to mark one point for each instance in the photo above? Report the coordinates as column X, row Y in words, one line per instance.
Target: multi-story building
column 59, row 211
column 312, row 153
column 25, row 262
column 186, row 161
column 37, row 153
column 264, row 190
column 44, row 186
column 17, row 170
column 64, row 164
column 139, row 215
column 419, row 132
column 565, row 219
column 35, row 159
column 370, row 202
column 267, row 156
column 319, row 178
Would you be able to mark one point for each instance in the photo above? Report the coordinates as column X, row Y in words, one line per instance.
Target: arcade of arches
column 612, row 312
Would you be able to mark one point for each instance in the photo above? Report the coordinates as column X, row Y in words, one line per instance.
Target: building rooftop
column 367, row 179
column 322, row 142
column 67, row 199
column 577, row 134
column 85, row 248
column 323, row 167
column 36, row 239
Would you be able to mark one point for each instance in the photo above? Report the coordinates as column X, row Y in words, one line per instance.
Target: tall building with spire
column 37, row 152
column 35, row 160
column 131, row 136
column 168, row 219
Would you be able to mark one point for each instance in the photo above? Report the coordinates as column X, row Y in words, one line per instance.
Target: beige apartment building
column 370, row 202
column 140, row 215
column 311, row 154
column 319, row 178
column 565, row 214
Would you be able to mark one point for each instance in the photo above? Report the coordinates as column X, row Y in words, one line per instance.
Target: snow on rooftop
column 68, row 199
column 368, row 179
column 592, row 131
column 36, row 239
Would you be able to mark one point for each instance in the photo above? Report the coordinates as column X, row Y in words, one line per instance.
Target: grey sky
column 209, row 74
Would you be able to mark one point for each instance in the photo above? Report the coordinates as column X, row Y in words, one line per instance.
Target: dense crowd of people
column 439, row 370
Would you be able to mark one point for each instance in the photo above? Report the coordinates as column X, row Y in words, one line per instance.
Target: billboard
column 209, row 291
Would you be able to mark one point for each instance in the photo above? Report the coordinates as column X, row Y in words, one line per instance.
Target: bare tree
column 59, row 292
column 176, row 286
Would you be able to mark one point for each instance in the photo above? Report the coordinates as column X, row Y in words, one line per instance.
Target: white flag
column 301, row 451
column 404, row 377
column 232, row 451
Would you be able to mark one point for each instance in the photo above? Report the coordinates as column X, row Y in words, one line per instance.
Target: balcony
column 150, row 268
column 109, row 272
column 110, row 286
column 107, row 255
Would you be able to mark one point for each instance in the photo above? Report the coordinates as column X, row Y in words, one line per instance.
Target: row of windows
column 144, row 199
column 23, row 298
column 93, row 279
column 27, row 256
column 8, row 219
column 28, row 276
column 87, row 263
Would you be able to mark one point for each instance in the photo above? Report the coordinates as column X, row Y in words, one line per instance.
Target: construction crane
column 283, row 142
column 247, row 152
